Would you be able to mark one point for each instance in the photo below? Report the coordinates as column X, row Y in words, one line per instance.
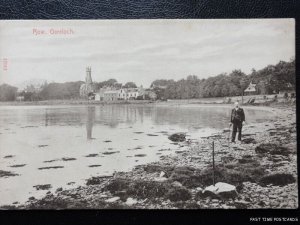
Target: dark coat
column 237, row 113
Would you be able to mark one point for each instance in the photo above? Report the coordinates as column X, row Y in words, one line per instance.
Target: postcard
column 148, row 114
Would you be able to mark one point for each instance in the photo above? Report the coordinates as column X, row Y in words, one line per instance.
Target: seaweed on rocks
column 18, row 165
column 92, row 155
column 152, row 135
column 178, row 194
column 4, row 173
column 95, row 165
column 68, row 159
column 139, row 189
column 96, row 180
column 156, row 168
column 249, row 140
column 271, row 148
column 50, row 167
column 279, row 179
column 177, row 137
column 43, row 187
column 42, row 146
column 49, row 161
column 110, row 153
column 140, row 155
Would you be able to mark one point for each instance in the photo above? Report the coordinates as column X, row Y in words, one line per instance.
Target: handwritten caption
column 52, row 31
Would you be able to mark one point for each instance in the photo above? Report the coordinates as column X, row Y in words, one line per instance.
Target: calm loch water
column 65, row 145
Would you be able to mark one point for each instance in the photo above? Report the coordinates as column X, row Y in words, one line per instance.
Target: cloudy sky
column 141, row 50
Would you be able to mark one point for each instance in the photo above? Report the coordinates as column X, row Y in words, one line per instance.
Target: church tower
column 88, row 78
column 87, row 88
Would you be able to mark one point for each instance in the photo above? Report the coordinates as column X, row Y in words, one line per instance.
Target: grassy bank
column 263, row 169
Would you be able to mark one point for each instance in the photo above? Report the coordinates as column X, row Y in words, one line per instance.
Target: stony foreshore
column 263, row 169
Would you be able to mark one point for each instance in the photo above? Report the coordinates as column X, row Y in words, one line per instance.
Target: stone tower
column 87, row 88
column 88, row 78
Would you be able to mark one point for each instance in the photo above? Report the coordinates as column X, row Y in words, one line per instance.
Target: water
column 78, row 142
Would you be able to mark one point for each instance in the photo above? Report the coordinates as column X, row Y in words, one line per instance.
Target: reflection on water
column 113, row 115
column 90, row 121
column 117, row 137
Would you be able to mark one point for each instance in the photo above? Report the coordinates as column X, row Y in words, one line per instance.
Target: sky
column 140, row 50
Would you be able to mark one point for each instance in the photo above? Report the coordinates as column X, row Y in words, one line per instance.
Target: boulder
column 199, row 189
column 131, row 201
column 162, row 174
column 113, row 199
column 220, row 189
column 160, row 179
column 176, row 184
column 177, row 137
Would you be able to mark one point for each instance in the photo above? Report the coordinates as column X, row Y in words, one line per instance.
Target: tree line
column 269, row 80
column 51, row 91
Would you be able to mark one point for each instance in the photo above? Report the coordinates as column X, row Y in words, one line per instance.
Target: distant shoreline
column 204, row 101
column 72, row 102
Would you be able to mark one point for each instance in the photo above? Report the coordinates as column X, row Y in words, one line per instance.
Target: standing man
column 237, row 120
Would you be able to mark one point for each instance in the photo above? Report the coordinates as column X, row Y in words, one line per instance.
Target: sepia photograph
column 148, row 114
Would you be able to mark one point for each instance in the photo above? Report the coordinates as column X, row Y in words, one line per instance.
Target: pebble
column 199, row 189
column 215, row 201
column 176, row 184
column 162, row 174
column 215, row 204
column 225, row 206
column 241, row 202
column 160, row 179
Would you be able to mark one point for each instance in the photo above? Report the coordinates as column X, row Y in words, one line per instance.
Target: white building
column 251, row 89
column 112, row 94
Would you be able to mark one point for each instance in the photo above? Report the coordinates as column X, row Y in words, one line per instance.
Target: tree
column 262, row 87
column 7, row 92
column 68, row 90
column 108, row 83
column 161, row 83
column 130, row 85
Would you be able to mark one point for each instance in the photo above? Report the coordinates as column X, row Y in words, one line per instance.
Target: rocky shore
column 260, row 172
